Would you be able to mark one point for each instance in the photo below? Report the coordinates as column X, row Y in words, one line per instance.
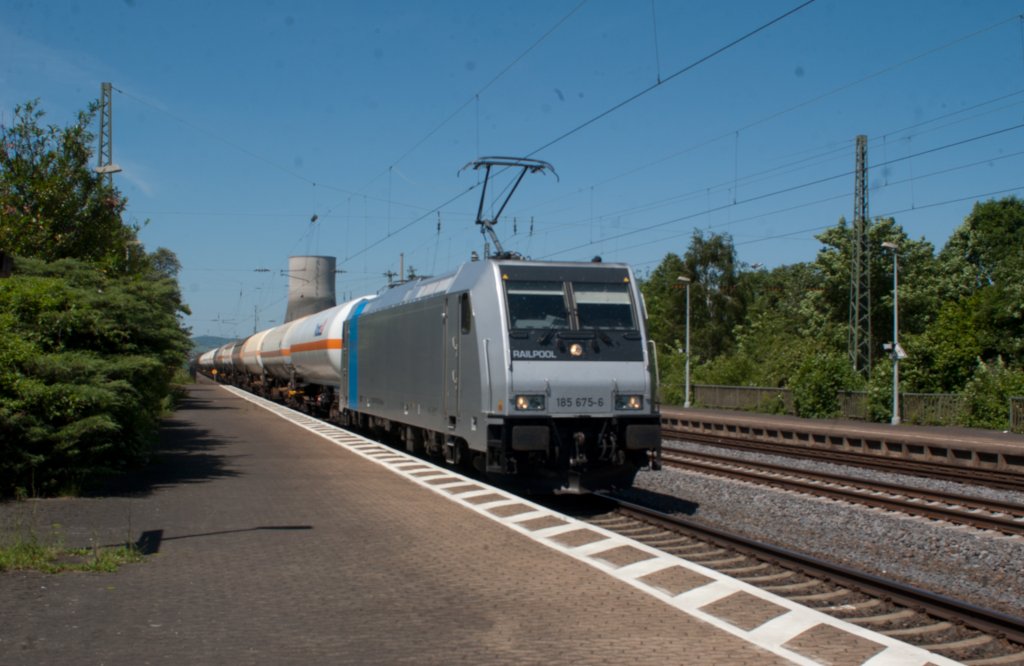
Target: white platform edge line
column 894, row 652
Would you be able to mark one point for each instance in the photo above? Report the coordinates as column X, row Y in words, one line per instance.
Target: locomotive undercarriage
column 531, row 454
column 572, row 454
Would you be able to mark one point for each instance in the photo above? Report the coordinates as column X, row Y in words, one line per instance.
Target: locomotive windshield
column 533, row 304
column 604, row 305
column 569, row 305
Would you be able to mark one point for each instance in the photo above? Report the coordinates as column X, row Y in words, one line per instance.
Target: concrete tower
column 310, row 286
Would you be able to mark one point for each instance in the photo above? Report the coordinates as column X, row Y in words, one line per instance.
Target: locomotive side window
column 536, row 304
column 604, row 305
column 465, row 313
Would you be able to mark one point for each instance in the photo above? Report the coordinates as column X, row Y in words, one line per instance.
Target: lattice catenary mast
column 859, row 341
column 106, row 166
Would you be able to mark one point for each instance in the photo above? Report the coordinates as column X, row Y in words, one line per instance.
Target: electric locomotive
column 536, row 372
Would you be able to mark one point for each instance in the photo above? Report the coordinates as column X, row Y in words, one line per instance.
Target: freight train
column 538, row 374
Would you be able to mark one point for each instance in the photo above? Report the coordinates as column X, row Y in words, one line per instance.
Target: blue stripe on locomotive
column 353, row 355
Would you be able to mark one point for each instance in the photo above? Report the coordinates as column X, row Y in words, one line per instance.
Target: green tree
column 782, row 325
column 665, row 303
column 944, row 357
column 52, row 205
column 665, row 297
column 983, row 262
column 90, row 324
column 717, row 303
column 919, row 286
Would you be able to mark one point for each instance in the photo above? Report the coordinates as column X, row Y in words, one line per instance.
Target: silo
column 310, row 286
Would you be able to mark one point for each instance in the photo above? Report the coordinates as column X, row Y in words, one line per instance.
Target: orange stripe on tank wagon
column 317, row 345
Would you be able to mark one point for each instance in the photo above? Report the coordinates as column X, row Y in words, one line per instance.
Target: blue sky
column 237, row 122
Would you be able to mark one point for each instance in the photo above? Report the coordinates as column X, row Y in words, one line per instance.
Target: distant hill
column 203, row 343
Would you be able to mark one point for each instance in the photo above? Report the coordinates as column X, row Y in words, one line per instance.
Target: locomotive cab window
column 604, row 305
column 465, row 313
column 536, row 304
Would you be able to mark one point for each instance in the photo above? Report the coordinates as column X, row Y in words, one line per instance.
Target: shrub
column 817, row 382
column 988, row 394
column 86, row 363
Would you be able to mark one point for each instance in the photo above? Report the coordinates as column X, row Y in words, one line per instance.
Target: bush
column 86, row 363
column 988, row 395
column 817, row 382
column 672, row 376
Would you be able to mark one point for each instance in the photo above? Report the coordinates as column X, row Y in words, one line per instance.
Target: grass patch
column 32, row 555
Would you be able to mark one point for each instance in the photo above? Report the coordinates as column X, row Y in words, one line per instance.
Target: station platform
column 273, row 538
column 987, row 451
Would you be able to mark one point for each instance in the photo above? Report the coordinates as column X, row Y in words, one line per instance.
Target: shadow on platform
column 184, row 454
column 151, row 540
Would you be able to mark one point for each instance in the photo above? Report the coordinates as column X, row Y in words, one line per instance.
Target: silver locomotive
column 537, row 372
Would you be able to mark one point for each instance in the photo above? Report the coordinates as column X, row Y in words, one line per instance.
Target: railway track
column 989, row 514
column 945, row 472
column 956, row 630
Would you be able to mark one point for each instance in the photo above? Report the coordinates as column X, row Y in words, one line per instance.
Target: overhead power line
column 661, row 82
column 476, row 96
column 818, row 98
column 614, row 108
column 789, row 189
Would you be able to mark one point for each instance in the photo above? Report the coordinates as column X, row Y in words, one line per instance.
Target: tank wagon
column 204, row 363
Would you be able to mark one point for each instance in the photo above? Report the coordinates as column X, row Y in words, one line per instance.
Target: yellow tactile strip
column 800, row 634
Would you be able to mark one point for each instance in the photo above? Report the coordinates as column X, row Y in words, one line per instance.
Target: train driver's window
column 536, row 304
column 604, row 305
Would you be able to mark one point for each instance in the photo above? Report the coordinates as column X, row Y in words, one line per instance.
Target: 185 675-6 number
column 580, row 402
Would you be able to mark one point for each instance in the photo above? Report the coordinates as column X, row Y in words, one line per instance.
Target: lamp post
column 686, row 395
column 897, row 352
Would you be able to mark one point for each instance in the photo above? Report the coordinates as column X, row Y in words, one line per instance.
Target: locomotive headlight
column 529, row 403
column 576, row 349
column 629, row 402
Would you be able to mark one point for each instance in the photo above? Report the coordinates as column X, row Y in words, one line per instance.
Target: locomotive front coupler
column 579, row 440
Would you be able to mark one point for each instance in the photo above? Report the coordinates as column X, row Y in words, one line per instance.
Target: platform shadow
column 190, row 402
column 183, row 454
column 150, row 541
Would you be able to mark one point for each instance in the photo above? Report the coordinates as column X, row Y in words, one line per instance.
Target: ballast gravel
column 981, row 567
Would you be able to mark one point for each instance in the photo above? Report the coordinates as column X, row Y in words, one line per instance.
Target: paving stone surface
column 269, row 545
column 831, row 646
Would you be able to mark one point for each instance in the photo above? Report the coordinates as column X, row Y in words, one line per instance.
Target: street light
column 897, row 352
column 686, row 395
